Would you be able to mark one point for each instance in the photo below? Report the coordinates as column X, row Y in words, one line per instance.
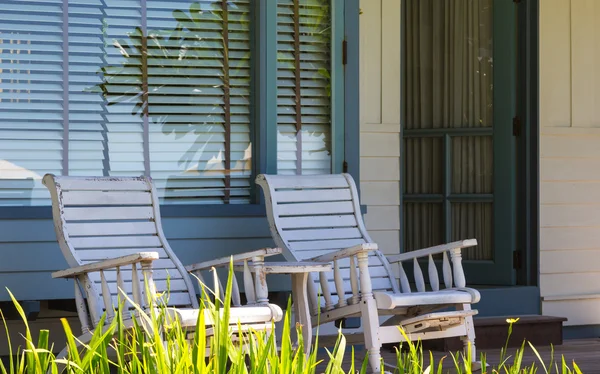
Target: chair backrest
column 100, row 218
column 312, row 215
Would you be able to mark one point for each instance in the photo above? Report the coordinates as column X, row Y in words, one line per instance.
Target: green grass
column 158, row 344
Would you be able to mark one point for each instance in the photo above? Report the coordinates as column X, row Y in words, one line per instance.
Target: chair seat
column 391, row 300
column 244, row 314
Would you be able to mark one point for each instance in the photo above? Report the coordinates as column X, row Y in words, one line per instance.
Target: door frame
column 528, row 156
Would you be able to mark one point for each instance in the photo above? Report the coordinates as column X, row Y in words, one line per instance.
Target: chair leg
column 370, row 322
column 469, row 339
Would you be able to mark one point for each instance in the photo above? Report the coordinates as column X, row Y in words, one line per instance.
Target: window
column 159, row 88
column 303, row 87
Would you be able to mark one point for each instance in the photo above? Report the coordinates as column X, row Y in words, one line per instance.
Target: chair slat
column 419, row 280
column 111, row 213
column 82, row 309
column 102, row 184
column 92, row 198
column 339, row 283
column 108, row 305
column 324, row 233
column 111, row 228
column 235, row 291
column 434, row 281
column 147, row 241
column 136, row 286
column 323, row 181
column 249, row 285
column 404, row 283
column 354, row 281
column 447, row 271
column 312, row 293
column 326, row 290
column 317, row 222
column 311, row 209
column 304, row 196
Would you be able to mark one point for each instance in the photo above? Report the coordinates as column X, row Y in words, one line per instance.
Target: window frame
column 263, row 65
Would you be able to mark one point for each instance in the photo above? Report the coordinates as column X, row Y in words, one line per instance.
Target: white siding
column 380, row 120
column 570, row 159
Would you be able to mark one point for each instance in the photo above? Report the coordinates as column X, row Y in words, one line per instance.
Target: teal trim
column 581, row 332
column 255, row 130
column 402, row 121
column 508, row 301
column 224, row 210
column 351, row 89
column 27, row 259
column 266, row 97
column 528, row 143
column 504, row 103
column 337, row 86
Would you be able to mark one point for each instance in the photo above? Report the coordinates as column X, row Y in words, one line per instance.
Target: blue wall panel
column 29, row 251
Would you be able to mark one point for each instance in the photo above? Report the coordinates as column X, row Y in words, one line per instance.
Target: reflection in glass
column 423, row 225
column 191, row 73
column 474, row 220
column 472, row 164
column 152, row 87
column 303, row 87
column 31, row 94
column 423, row 177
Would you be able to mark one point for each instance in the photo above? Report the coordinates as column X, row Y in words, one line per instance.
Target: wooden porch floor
column 586, row 353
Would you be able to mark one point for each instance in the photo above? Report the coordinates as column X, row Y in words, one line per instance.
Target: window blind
column 126, row 87
column 105, row 126
column 303, row 87
column 199, row 87
column 31, row 97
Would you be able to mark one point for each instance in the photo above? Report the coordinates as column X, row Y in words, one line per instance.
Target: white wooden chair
column 109, row 230
column 318, row 218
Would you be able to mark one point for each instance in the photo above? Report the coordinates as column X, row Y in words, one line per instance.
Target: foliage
column 157, row 343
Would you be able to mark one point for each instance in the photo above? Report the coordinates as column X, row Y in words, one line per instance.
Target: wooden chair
column 318, row 218
column 109, row 231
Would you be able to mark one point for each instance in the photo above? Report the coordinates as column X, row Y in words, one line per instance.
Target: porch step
column 492, row 332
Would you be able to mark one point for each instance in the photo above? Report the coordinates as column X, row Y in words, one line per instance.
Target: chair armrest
column 347, row 252
column 107, row 264
column 224, row 261
column 432, row 250
column 290, row 267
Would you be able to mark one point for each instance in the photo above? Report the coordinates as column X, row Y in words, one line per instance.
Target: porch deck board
column 585, row 352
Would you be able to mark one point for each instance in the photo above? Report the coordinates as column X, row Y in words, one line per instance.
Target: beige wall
column 380, row 120
column 570, row 159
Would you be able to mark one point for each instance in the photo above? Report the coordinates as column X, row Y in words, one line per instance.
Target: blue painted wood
column 232, row 210
column 521, row 301
column 29, row 251
column 337, row 86
column 351, row 89
column 266, row 89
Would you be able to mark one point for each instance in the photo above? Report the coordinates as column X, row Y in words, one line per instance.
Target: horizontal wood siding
column 29, row 251
column 380, row 120
column 570, row 159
